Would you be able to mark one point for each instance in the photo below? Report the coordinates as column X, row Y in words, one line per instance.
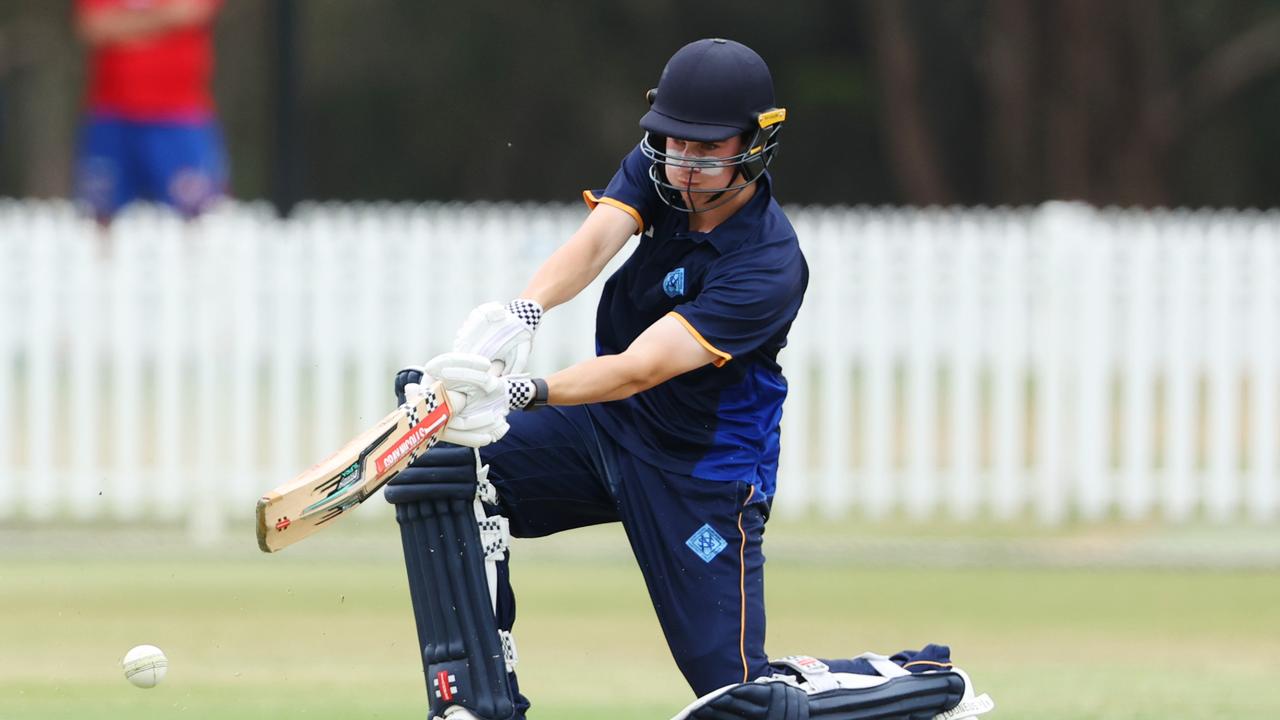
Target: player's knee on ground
column 804, row 688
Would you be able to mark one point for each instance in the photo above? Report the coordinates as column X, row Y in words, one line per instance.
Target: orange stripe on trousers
column 742, row 588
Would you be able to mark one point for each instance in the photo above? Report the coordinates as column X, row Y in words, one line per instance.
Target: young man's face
column 684, row 170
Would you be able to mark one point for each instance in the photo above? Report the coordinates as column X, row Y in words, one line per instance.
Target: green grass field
column 1058, row 629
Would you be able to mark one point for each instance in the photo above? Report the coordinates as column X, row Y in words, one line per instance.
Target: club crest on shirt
column 673, row 283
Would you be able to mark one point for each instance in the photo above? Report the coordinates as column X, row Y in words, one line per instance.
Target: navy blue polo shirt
column 737, row 290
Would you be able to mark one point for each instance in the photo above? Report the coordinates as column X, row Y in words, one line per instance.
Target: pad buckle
column 816, row 674
column 509, row 654
column 495, row 533
column 485, row 491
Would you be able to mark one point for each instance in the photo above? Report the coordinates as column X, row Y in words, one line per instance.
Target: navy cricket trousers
column 697, row 542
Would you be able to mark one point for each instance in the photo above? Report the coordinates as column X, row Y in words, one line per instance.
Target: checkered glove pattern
column 519, row 392
column 527, row 310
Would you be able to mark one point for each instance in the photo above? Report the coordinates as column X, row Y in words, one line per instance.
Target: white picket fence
column 1055, row 363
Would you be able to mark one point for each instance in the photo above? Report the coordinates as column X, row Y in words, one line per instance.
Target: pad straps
column 812, row 670
column 495, row 540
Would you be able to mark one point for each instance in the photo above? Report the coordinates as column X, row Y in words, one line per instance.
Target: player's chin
column 699, row 193
column 694, row 188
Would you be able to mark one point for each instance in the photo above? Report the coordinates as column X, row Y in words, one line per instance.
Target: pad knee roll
column 756, row 701
column 910, row 697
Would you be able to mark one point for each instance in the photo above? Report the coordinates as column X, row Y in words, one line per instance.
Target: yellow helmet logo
column 772, row 117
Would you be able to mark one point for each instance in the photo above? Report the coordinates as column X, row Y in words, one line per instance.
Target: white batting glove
column 503, row 333
column 479, row 399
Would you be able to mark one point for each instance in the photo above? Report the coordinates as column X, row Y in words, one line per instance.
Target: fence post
column 1137, row 280
column 1264, row 404
column 1182, row 368
column 12, row 265
column 1221, row 491
column 961, row 335
column 43, row 485
column 1011, row 363
column 922, row 275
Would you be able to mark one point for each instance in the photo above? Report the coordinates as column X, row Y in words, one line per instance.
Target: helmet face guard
column 747, row 165
column 711, row 90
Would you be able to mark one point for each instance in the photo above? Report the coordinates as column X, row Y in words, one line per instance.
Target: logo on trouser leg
column 706, row 543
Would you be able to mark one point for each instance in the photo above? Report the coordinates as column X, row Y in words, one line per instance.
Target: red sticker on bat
column 417, row 435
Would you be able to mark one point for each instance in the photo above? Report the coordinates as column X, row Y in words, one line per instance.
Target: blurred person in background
column 150, row 131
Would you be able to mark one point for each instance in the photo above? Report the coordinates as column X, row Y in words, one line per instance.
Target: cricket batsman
column 672, row 430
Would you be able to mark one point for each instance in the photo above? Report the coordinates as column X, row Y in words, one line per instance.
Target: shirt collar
column 729, row 234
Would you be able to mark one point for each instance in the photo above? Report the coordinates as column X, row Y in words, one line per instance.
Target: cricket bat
column 320, row 495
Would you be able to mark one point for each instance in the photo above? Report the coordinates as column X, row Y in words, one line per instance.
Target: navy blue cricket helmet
column 712, row 90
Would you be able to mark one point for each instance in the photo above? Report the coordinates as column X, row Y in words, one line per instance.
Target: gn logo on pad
column 673, row 283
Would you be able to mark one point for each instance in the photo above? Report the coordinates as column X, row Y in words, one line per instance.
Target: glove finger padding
column 474, row 416
column 410, row 393
column 478, row 399
column 457, row 402
column 481, row 317
column 468, row 381
column 459, row 360
column 467, row 373
column 502, row 333
column 475, row 438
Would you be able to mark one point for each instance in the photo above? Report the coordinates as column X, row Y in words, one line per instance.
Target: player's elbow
column 639, row 373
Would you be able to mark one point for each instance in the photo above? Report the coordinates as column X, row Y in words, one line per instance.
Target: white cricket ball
column 145, row 666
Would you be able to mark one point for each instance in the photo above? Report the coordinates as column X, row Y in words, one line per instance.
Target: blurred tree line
column 1146, row 102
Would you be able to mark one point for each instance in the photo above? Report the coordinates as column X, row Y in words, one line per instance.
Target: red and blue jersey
column 160, row 78
column 737, row 289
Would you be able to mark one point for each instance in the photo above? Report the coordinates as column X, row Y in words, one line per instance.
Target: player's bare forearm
column 600, row 379
column 663, row 351
column 106, row 26
column 579, row 261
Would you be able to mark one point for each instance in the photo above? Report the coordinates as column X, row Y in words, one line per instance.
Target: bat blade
column 324, row 492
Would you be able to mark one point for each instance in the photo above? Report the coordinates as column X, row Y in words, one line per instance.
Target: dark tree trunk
column 1080, row 66
column 913, row 152
column 1139, row 175
column 1009, row 73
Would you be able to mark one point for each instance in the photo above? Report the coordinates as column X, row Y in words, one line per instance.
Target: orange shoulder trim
column 592, row 201
column 722, row 357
